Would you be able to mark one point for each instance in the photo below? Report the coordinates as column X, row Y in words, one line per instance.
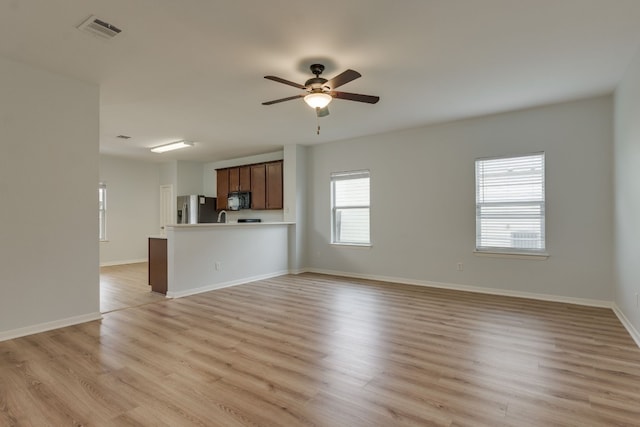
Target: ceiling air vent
column 99, row 28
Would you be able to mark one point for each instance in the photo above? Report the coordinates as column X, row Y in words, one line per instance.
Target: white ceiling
column 193, row 69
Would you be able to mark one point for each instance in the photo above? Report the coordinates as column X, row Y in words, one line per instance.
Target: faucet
column 220, row 216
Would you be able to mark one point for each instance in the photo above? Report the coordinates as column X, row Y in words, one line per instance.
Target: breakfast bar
column 204, row 257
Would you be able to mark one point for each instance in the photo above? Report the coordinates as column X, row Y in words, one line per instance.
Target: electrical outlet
column 218, row 265
column 459, row 266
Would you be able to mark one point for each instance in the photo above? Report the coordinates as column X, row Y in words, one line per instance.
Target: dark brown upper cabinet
column 222, row 185
column 274, row 185
column 258, row 186
column 264, row 180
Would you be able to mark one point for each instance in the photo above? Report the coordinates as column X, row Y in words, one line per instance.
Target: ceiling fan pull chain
column 318, row 121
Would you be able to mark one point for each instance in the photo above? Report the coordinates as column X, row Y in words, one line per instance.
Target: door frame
column 167, row 207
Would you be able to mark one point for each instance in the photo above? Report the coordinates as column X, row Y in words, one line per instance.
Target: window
column 350, row 208
column 510, row 204
column 102, row 211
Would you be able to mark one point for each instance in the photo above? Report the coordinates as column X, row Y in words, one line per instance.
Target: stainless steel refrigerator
column 196, row 209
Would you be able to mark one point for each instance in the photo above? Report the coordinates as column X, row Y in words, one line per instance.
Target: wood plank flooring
column 124, row 286
column 314, row 350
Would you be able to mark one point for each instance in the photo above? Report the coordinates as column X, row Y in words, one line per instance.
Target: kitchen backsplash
column 264, row 215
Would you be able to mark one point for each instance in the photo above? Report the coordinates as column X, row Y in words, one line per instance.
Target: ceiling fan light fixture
column 318, row 100
column 172, row 146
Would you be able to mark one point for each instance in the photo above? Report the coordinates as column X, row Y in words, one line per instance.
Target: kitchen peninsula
column 204, row 257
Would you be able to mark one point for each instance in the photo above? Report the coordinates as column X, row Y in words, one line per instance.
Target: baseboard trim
column 627, row 324
column 122, row 262
column 213, row 287
column 467, row 288
column 48, row 326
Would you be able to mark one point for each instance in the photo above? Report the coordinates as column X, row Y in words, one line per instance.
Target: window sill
column 353, row 245
column 103, row 241
column 513, row 255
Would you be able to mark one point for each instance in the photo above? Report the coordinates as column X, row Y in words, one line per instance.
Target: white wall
column 627, row 195
column 189, row 178
column 48, row 186
column 184, row 176
column 169, row 174
column 423, row 201
column 245, row 252
column 133, row 208
column 295, row 203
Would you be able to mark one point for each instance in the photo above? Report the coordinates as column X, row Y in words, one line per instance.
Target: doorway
column 167, row 208
column 125, row 286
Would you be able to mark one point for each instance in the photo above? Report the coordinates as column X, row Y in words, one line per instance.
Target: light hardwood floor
column 314, row 350
column 124, row 286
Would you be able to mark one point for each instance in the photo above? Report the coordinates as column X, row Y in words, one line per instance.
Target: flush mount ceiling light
column 172, row 146
column 318, row 99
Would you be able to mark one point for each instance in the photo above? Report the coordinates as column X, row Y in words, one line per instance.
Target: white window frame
column 538, row 203
column 335, row 217
column 102, row 212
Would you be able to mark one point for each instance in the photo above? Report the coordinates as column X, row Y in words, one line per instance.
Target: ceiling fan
column 319, row 91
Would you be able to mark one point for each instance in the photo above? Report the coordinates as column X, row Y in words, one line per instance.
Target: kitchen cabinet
column 274, row 185
column 158, row 264
column 245, row 178
column 234, row 179
column 258, row 186
column 263, row 180
column 222, row 184
column 266, row 186
column 240, row 178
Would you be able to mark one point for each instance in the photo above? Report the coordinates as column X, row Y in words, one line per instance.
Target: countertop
column 230, row 224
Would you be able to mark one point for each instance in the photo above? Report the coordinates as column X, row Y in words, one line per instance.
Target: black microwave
column 237, row 200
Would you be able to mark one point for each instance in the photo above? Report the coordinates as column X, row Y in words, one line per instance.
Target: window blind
column 510, row 204
column 350, row 207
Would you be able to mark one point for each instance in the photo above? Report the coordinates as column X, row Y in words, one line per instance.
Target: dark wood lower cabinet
column 158, row 265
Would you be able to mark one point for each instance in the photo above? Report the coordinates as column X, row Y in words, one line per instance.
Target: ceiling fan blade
column 287, row 82
column 355, row 97
column 289, row 98
column 322, row 112
column 343, row 78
